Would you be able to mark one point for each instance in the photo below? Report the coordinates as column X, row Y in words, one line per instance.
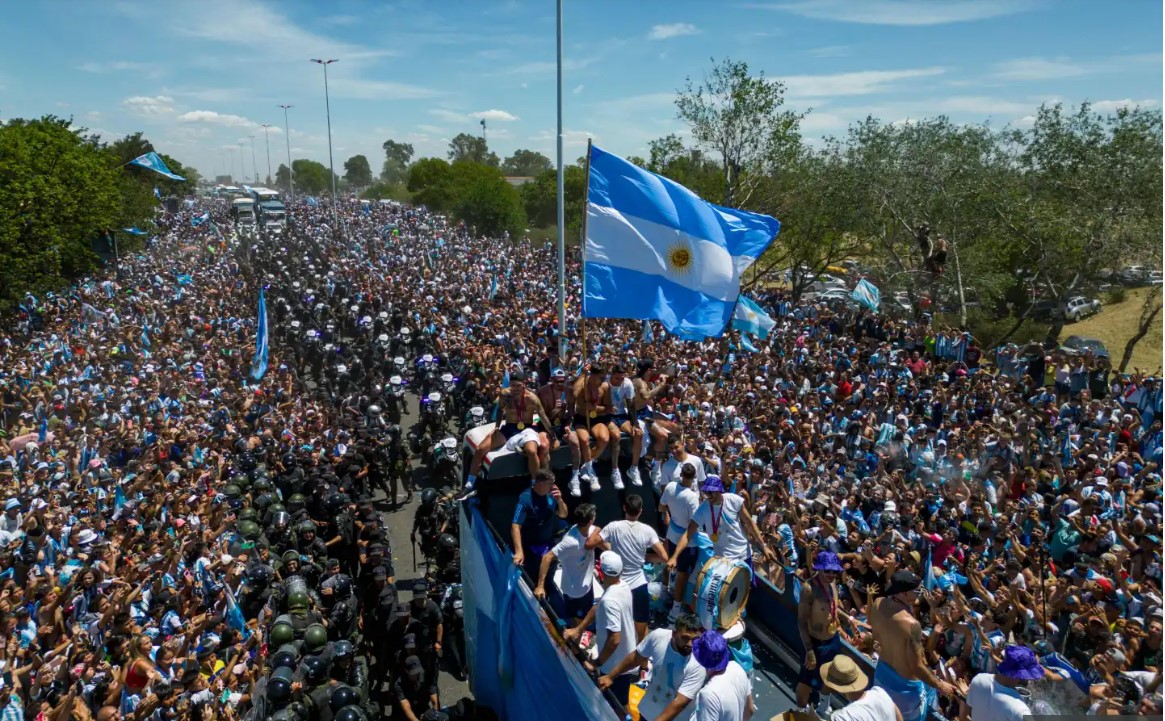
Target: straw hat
column 843, row 675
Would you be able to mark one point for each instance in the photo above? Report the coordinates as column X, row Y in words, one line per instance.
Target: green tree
column 397, row 157
column 739, row 116
column 357, row 171
column 466, row 147
column 387, row 191
column 482, row 199
column 311, row 177
column 540, row 199
column 526, row 163
column 283, row 178
column 431, row 183
column 59, row 191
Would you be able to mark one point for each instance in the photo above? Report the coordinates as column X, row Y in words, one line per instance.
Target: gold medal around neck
column 594, row 415
column 521, row 426
column 715, row 537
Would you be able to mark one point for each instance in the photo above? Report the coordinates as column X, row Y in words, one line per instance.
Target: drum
column 722, row 588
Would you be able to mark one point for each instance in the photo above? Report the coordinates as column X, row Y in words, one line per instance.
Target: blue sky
column 199, row 77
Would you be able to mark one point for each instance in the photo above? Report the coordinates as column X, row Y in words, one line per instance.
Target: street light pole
column 243, row 161
column 267, row 138
column 331, row 162
column 287, row 138
column 561, row 215
column 254, row 165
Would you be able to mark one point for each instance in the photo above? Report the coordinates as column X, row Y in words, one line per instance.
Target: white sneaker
column 633, row 474
column 656, row 473
column 617, row 479
column 574, row 487
column 590, row 473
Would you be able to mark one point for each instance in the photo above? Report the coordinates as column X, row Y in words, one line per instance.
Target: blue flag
column 746, row 344
column 312, row 202
column 184, row 279
column 153, row 161
column 259, row 364
column 493, row 287
column 157, row 193
column 43, row 433
column 135, row 231
column 146, row 336
column 928, row 579
column 648, row 336
column 655, row 250
column 867, row 294
column 751, row 318
column 234, row 615
column 199, row 219
column 506, row 379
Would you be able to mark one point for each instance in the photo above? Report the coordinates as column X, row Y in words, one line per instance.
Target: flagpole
column 561, row 211
column 583, row 295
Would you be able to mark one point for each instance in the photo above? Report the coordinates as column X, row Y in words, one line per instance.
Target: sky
column 199, row 78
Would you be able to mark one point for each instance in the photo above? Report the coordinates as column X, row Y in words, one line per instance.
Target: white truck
column 243, row 213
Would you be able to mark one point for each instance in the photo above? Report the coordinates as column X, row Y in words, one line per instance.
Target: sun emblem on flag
column 679, row 258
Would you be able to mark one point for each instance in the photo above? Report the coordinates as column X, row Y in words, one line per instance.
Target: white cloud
column 672, row 30
column 358, row 88
column 115, row 66
column 830, row 51
column 495, row 116
column 1039, row 69
column 862, row 82
column 902, row 12
column 94, row 114
column 1109, row 106
column 578, row 89
column 211, row 117
column 980, row 106
column 145, row 105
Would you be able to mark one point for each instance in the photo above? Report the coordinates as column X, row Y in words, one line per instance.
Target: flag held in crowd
column 135, row 231
column 153, row 161
column 157, row 193
column 199, row 219
column 751, row 318
column 259, row 364
column 655, row 250
column 867, row 294
column 312, row 202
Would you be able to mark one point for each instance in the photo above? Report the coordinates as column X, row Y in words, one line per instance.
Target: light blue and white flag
column 259, row 364
column 157, row 193
column 751, row 318
column 135, row 231
column 493, row 287
column 312, row 202
column 648, row 335
column 234, row 615
column 199, row 219
column 655, row 250
column 746, row 344
column 153, row 161
column 867, row 294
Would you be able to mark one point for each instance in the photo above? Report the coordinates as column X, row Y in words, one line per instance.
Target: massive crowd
column 182, row 540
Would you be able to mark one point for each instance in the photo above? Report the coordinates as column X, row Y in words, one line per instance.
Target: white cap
column 610, row 563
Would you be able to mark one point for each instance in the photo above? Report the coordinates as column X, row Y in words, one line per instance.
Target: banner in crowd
column 656, row 251
column 259, row 364
column 751, row 318
column 508, row 636
column 867, row 294
column 153, row 161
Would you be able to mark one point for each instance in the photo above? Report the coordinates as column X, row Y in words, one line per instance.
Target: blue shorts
column 823, row 652
column 576, row 608
column 640, row 604
column 686, row 563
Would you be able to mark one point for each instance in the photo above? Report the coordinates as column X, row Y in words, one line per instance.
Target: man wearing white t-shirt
column 842, row 675
column 676, row 676
column 675, row 463
column 993, row 696
column 727, row 522
column 727, row 695
column 632, row 540
column 678, row 505
column 614, row 625
column 577, row 563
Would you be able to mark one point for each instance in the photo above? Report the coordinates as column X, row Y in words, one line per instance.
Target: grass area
column 1115, row 324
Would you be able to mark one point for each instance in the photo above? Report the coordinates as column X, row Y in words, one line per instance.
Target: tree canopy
column 526, row 163
column 310, row 176
column 397, row 157
column 357, row 172
column 473, row 149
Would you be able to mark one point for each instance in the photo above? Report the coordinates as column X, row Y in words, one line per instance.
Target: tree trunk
column 1149, row 312
column 962, row 295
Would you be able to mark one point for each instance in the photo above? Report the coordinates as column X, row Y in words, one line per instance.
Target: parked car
column 828, row 282
column 1080, row 307
column 1134, row 275
column 1154, row 277
column 1078, row 345
column 1045, row 310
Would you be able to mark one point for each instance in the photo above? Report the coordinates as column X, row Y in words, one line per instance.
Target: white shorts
column 521, row 438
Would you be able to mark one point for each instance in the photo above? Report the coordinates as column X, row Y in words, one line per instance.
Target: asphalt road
column 399, row 524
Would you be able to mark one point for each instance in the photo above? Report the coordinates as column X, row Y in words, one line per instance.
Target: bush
column 387, row 191
column 1117, row 294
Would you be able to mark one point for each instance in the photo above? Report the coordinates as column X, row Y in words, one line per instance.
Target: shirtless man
column 902, row 670
column 592, row 412
column 818, row 616
column 518, row 407
column 559, row 405
column 656, row 429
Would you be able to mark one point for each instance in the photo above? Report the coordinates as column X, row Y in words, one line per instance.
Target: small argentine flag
column 867, row 294
column 751, row 318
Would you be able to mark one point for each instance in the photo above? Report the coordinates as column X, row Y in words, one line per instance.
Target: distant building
column 519, row 180
column 223, row 180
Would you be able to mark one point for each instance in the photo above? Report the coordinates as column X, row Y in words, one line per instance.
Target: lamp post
column 267, row 139
column 254, row 165
column 242, row 161
column 331, row 163
column 287, row 138
column 561, row 212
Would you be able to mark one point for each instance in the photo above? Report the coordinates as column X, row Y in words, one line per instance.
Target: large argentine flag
column 655, row 250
